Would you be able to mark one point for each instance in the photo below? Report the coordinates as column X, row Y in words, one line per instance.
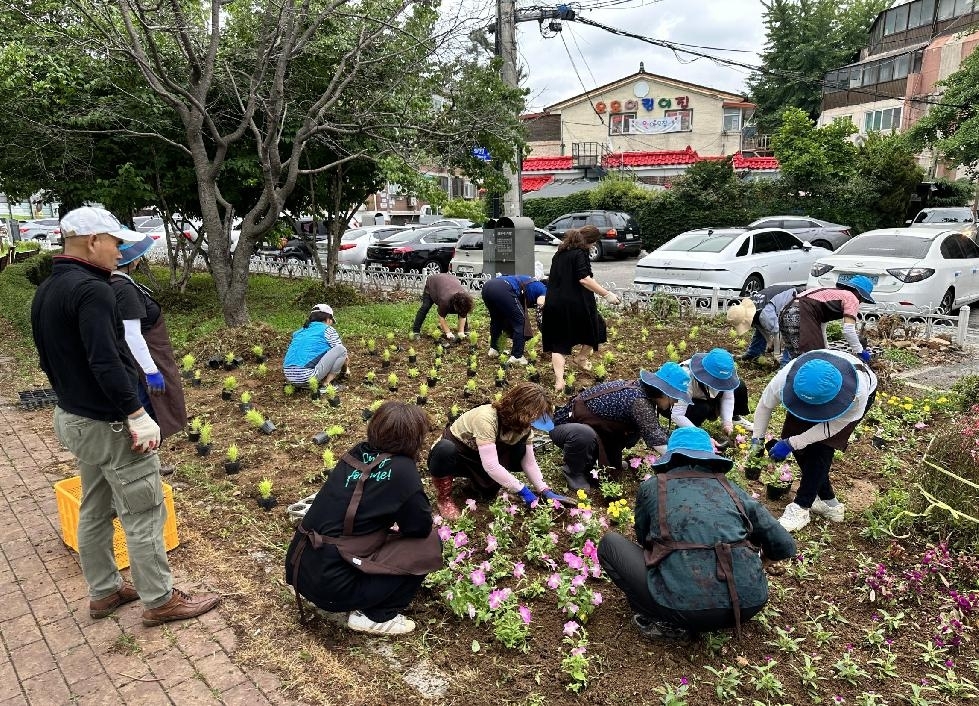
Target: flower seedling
column 600, row 372
column 393, row 382
column 314, row 387
column 389, row 336
column 371, row 377
column 259, row 352
column 195, row 425
column 412, row 354
column 329, row 460
column 609, row 358
column 371, row 346
column 671, row 352
column 569, row 380
column 532, row 374
column 532, row 355
column 196, row 381
column 261, row 370
column 229, row 359
column 500, row 376
column 232, row 453
column 454, row 412
column 422, row 394
column 777, row 476
column 230, row 383
column 498, row 396
column 473, row 338
column 265, row 498
column 255, row 418
column 386, row 358
column 611, row 490
column 187, row 363
column 682, row 345
column 433, row 376
column 289, row 390
column 336, row 430
column 207, row 433
column 413, row 373
column 469, row 389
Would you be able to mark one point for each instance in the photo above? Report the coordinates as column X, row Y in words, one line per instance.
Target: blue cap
column 861, row 286
column 820, row 386
column 716, row 369
column 533, row 290
column 133, row 251
column 671, row 379
column 691, row 444
column 543, row 423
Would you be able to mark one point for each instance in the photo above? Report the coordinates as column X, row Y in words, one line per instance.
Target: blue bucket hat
column 691, row 444
column 715, row 369
column 671, row 379
column 543, row 423
column 533, row 290
column 820, row 386
column 133, row 251
column 861, row 286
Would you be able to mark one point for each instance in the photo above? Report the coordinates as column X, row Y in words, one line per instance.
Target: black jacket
column 81, row 342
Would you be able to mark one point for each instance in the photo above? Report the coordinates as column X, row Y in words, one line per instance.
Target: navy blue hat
column 820, row 386
column 533, row 290
column 133, row 251
column 671, row 379
column 715, row 369
column 691, row 444
column 861, row 286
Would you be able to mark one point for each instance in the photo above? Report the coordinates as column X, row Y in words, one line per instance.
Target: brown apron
column 381, row 552
column 658, row 548
column 812, row 315
column 793, row 426
column 609, row 431
column 528, row 329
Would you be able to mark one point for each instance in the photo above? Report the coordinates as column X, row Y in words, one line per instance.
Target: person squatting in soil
column 450, row 296
column 160, row 390
column 598, row 423
column 803, row 320
column 570, row 314
column 715, row 390
column 826, row 393
column 348, row 511
column 316, row 350
column 81, row 343
column 696, row 567
column 507, row 298
column 489, row 443
column 761, row 312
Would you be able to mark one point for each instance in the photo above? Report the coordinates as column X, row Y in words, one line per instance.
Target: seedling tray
column 35, row 399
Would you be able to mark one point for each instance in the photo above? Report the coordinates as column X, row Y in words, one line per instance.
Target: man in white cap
column 81, row 341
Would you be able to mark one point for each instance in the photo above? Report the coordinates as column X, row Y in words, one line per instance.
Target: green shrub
column 16, row 293
column 966, row 390
column 38, row 268
column 955, row 451
column 338, row 295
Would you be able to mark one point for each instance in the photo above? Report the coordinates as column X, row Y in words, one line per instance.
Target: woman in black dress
column 570, row 315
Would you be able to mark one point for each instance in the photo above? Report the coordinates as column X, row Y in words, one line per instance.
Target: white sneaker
column 492, row 353
column 833, row 514
column 794, row 518
column 519, row 361
column 748, row 424
column 398, row 625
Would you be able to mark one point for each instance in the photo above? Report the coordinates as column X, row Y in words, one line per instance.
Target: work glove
column 155, row 383
column 611, row 298
column 780, row 451
column 449, row 336
column 145, row 433
column 865, row 355
column 527, row 495
column 549, row 494
column 757, row 447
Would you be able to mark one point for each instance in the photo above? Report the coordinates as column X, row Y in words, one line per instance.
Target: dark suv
column 620, row 232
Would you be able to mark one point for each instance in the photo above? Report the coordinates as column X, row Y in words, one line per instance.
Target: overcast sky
column 602, row 57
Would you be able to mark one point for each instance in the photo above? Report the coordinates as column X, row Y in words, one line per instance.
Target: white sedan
column 730, row 259
column 354, row 242
column 912, row 269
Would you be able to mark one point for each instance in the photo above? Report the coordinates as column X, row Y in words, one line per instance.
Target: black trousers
column 815, row 462
column 506, row 315
column 447, row 459
column 699, row 411
column 426, row 306
column 579, row 442
column 625, row 564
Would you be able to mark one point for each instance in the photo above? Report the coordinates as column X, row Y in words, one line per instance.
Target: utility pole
column 506, row 44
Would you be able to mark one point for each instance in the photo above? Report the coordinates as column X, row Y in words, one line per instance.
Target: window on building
column 855, row 74
column 914, row 15
column 901, row 65
column 686, row 117
column 927, row 11
column 870, row 74
column 946, row 9
column 886, row 71
column 916, row 61
column 444, row 185
column 963, row 7
column 881, row 120
column 732, row 120
column 900, row 18
column 889, row 23
column 620, row 123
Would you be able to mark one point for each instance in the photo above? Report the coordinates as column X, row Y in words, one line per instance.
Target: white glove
column 450, row 336
column 145, row 433
column 612, row 298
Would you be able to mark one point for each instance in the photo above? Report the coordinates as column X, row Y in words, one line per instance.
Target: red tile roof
column 535, row 182
column 740, row 162
column 651, row 159
column 546, row 164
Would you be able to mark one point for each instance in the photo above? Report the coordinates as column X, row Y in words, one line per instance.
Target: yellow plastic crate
column 69, row 493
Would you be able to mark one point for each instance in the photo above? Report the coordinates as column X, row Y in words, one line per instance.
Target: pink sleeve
column 851, row 305
column 530, row 466
column 495, row 470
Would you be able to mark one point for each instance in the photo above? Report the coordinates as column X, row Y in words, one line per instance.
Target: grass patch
column 902, row 356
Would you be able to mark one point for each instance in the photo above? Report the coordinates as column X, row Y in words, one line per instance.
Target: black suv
column 620, row 232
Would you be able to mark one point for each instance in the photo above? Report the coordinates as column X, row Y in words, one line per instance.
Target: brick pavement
column 51, row 651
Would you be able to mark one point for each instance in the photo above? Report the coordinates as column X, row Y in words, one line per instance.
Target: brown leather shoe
column 104, row 607
column 180, row 607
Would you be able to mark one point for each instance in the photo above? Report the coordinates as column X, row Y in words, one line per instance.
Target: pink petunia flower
column 578, row 580
column 635, row 462
column 461, row 540
column 573, row 560
column 445, row 533
column 470, row 503
column 571, row 627
column 578, row 651
column 491, row 544
column 647, row 476
column 553, row 581
column 524, row 614
column 477, row 577
column 519, row 570
column 572, row 608
column 589, row 550
column 498, row 597
column 471, row 609
column 596, row 598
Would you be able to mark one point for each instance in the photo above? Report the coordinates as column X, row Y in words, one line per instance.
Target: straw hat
column 742, row 315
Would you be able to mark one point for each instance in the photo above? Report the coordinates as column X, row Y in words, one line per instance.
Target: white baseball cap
column 88, row 220
column 324, row 309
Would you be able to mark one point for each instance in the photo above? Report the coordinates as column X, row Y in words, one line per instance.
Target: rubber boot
column 446, row 505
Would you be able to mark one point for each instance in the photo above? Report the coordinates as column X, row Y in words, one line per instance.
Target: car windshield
column 945, row 215
column 700, row 242
column 887, row 246
column 352, row 234
column 406, row 236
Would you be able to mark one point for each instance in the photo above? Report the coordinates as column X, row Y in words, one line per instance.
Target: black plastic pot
column 569, row 390
column 334, row 401
column 268, row 426
column 203, row 449
column 193, row 436
column 215, row 363
column 244, row 406
column 314, row 394
column 321, row 438
column 385, row 363
column 412, row 359
column 752, row 473
column 466, row 393
column 187, row 374
column 225, row 395
column 432, row 382
column 261, row 358
column 196, row 382
column 266, row 503
column 879, row 442
column 500, row 383
column 534, row 378
column 453, row 417
column 394, row 388
column 421, row 400
column 366, row 415
column 471, row 373
column 774, row 492
column 232, row 467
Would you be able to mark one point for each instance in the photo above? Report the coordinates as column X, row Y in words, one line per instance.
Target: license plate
column 465, row 268
column 630, row 236
column 847, row 276
column 665, row 288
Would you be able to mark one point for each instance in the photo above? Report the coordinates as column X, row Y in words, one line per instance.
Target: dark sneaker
column 180, row 607
column 104, row 607
column 657, row 630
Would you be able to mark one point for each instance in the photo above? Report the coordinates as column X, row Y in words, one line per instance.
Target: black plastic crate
column 35, row 399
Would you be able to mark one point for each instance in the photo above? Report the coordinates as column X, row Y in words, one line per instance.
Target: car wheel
column 595, row 253
column 948, row 301
column 752, row 284
column 432, row 267
column 822, row 244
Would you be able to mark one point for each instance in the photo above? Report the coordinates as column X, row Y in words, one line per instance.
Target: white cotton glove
column 145, row 433
column 611, row 298
column 450, row 336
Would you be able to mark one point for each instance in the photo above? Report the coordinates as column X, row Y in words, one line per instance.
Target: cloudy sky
column 602, row 57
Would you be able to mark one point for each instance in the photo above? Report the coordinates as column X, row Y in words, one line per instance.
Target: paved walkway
column 51, row 651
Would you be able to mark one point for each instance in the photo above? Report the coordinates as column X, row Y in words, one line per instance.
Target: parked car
column 911, row 268
column 418, row 249
column 822, row 234
column 464, row 222
column 960, row 218
column 469, row 251
column 731, row 259
column 354, row 243
column 620, row 232
column 47, row 230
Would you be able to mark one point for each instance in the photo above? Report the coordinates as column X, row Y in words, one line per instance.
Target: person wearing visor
column 803, row 320
column 80, row 339
column 715, row 392
column 160, row 391
column 489, row 443
column 825, row 393
column 595, row 425
column 316, row 350
column 760, row 312
column 507, row 298
column 697, row 566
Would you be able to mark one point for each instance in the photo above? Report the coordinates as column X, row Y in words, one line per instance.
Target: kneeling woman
column 490, row 442
column 341, row 557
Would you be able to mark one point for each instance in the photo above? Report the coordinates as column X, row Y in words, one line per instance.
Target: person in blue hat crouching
column 826, row 393
column 697, row 566
column 600, row 421
column 715, row 391
column 803, row 320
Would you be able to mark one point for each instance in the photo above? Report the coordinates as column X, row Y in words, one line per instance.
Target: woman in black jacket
column 392, row 494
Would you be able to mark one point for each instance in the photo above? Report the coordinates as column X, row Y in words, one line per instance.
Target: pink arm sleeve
column 532, row 469
column 494, row 469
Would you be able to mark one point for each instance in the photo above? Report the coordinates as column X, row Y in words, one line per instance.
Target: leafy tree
column 952, row 126
column 805, row 39
column 890, row 168
column 813, row 157
column 475, row 211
